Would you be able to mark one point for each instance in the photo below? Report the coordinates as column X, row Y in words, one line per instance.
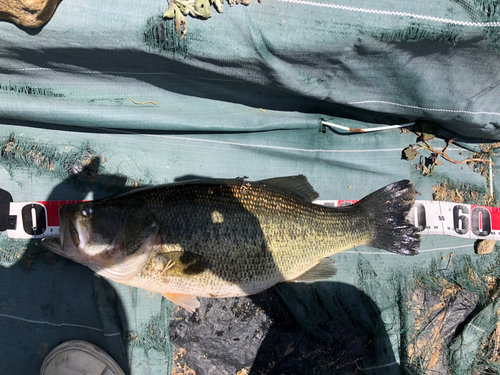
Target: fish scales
column 253, row 236
column 225, row 238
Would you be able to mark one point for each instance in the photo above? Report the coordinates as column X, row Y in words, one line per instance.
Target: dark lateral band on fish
column 226, row 238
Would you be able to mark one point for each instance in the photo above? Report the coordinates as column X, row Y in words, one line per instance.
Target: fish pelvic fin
column 387, row 209
column 186, row 301
column 322, row 271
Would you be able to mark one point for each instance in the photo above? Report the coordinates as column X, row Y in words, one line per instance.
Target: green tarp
column 106, row 98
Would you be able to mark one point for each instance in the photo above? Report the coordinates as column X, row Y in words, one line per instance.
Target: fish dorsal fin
column 183, row 263
column 186, row 301
column 324, row 270
column 298, row 184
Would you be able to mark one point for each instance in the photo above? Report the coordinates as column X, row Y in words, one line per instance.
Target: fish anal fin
column 298, row 184
column 188, row 302
column 324, row 270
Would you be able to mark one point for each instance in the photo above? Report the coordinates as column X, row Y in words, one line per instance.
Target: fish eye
column 87, row 210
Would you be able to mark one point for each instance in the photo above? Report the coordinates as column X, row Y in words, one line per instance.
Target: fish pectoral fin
column 183, row 263
column 190, row 303
column 297, row 184
column 324, row 270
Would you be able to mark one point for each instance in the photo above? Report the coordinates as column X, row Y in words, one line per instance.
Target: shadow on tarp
column 178, row 75
column 50, row 299
column 342, row 328
column 320, row 328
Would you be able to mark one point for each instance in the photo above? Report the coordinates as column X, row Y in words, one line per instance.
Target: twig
column 493, row 145
column 133, row 101
column 427, row 146
column 449, row 262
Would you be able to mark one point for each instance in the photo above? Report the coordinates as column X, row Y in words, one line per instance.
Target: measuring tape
column 448, row 218
column 41, row 219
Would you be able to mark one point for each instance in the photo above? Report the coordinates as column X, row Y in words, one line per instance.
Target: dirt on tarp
column 438, row 316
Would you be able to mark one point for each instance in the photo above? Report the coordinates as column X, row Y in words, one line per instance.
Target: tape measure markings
column 41, row 218
column 37, row 219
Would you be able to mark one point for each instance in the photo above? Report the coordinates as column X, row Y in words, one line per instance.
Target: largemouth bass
column 226, row 238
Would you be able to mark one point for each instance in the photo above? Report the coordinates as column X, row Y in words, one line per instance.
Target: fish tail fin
column 387, row 209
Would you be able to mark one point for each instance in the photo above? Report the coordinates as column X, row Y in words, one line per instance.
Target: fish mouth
column 70, row 237
column 73, row 238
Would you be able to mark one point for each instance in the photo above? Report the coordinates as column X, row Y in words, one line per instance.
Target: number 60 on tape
column 458, row 220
